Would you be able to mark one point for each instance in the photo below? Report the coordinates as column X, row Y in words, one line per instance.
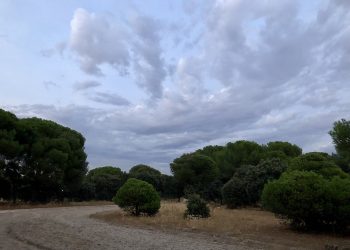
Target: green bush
column 234, row 193
column 138, row 197
column 196, row 207
column 246, row 186
column 317, row 162
column 308, row 200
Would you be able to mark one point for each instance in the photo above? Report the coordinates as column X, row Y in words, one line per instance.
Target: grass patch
column 249, row 224
column 4, row 205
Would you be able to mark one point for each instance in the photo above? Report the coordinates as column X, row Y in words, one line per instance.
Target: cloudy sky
column 146, row 81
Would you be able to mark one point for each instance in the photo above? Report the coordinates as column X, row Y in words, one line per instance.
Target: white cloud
column 148, row 62
column 281, row 77
column 97, row 41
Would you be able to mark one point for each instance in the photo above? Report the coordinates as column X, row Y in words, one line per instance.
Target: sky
column 146, row 81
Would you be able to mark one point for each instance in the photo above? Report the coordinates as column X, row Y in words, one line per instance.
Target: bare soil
column 73, row 228
column 5, row 205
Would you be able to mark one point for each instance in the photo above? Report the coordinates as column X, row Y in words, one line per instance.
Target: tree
column 234, row 194
column 317, row 162
column 211, row 151
column 39, row 159
column 194, row 171
column 55, row 160
column 87, row 191
column 213, row 191
column 283, row 150
column 288, row 149
column 105, row 181
column 148, row 174
column 340, row 134
column 170, row 187
column 5, row 185
column 246, row 186
column 237, row 154
column 11, row 156
column 308, row 200
column 138, row 197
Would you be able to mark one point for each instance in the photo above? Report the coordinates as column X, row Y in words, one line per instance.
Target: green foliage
column 194, row 170
column 87, row 192
column 105, row 181
column 288, row 149
column 246, row 186
column 147, row 174
column 138, row 197
column 107, row 170
column 233, row 193
column 340, row 134
column 42, row 160
column 196, row 207
column 237, row 154
column 55, row 160
column 212, row 192
column 170, row 187
column 320, row 163
column 309, row 200
column 11, row 156
column 211, row 151
column 5, row 185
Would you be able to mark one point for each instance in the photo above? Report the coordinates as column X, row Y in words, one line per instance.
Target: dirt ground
column 252, row 227
column 5, row 205
column 74, row 228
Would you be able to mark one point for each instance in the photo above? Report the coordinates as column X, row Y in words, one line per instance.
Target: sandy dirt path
column 72, row 228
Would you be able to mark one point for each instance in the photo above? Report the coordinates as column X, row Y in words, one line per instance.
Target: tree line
column 41, row 160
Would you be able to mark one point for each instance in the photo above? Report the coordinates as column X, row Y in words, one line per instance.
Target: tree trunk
column 137, row 211
column 13, row 193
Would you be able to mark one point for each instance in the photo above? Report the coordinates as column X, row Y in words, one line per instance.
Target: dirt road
column 72, row 228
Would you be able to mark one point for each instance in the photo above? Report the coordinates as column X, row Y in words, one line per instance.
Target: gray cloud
column 108, row 98
column 149, row 66
column 50, row 84
column 97, row 41
column 84, row 85
column 277, row 76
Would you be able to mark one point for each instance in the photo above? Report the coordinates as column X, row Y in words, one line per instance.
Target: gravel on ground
column 72, row 228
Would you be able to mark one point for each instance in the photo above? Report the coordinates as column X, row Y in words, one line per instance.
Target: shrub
column 194, row 170
column 197, row 207
column 308, row 200
column 246, row 186
column 317, row 162
column 234, row 193
column 138, row 197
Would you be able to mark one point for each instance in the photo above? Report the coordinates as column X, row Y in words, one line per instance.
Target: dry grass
column 23, row 205
column 244, row 224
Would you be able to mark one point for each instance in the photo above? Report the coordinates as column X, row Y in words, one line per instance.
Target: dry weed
column 245, row 224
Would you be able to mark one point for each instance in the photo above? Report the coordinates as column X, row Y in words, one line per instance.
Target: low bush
column 234, row 193
column 246, row 185
column 138, row 197
column 196, row 207
column 310, row 201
